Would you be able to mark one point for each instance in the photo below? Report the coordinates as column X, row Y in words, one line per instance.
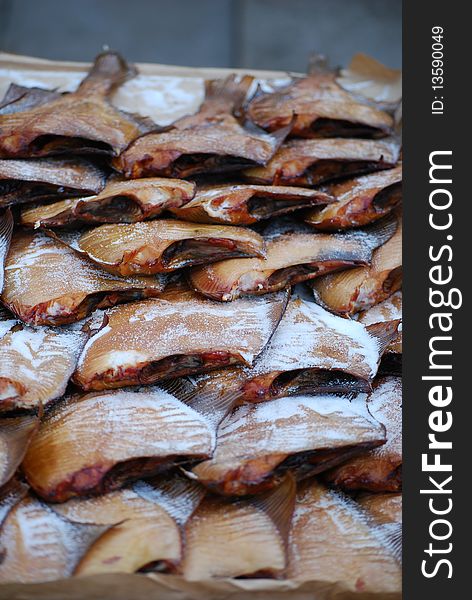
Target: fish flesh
column 360, row 201
column 381, row 469
column 313, row 351
column 258, row 443
column 294, row 253
column 243, row 204
column 211, row 141
column 311, row 162
column 349, row 292
column 81, row 122
column 160, row 246
column 36, row 364
column 118, row 202
column 47, row 283
column 176, row 335
column 46, row 179
column 239, row 538
column 135, row 434
column 332, row 541
column 322, row 108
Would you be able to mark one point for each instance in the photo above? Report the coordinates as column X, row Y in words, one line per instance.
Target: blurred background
column 265, row 34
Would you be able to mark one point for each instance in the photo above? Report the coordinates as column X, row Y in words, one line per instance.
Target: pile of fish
column 200, row 335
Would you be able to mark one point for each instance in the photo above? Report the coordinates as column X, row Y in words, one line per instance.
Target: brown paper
column 164, row 93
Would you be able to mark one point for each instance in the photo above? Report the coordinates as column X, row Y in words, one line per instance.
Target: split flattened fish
column 211, row 141
column 15, row 435
column 47, row 283
column 81, row 122
column 360, row 201
column 322, row 108
column 6, row 230
column 143, row 533
column 314, row 351
column 355, row 290
column 36, row 364
column 161, row 246
column 40, row 545
column 388, row 310
column 332, row 541
column 294, row 253
column 119, row 202
column 239, row 538
column 47, row 179
column 258, row 443
column 243, row 204
column 311, row 162
column 178, row 334
column 135, row 434
column 381, row 469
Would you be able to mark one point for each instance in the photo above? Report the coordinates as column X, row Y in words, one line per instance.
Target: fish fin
column 108, row 72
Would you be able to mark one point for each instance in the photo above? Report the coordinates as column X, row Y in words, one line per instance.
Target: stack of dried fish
column 200, row 335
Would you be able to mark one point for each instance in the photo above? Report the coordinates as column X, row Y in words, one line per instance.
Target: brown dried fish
column 144, row 525
column 242, row 204
column 119, row 202
column 15, row 435
column 311, row 162
column 332, row 541
column 82, row 122
column 161, row 246
column 39, row 545
column 321, row 107
column 313, row 351
column 257, row 443
column 387, row 311
column 178, row 334
column 381, row 469
column 36, row 364
column 49, row 283
column 47, row 179
column 359, row 201
column 211, row 141
column 134, row 434
column 6, row 230
column 359, row 289
column 239, row 538
column 294, row 253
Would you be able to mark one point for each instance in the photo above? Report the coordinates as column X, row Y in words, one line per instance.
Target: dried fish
column 161, row 246
column 211, row 141
column 332, row 541
column 15, row 435
column 178, row 334
column 119, row 202
column 359, row 289
column 240, row 204
column 142, row 530
column 36, row 365
column 321, row 107
column 82, row 122
column 311, row 162
column 258, row 443
column 381, row 469
column 359, row 201
column 135, row 434
column 39, row 545
column 47, row 179
column 294, row 253
column 6, row 230
column 49, row 283
column 239, row 538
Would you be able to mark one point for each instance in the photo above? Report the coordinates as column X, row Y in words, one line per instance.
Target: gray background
column 268, row 34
